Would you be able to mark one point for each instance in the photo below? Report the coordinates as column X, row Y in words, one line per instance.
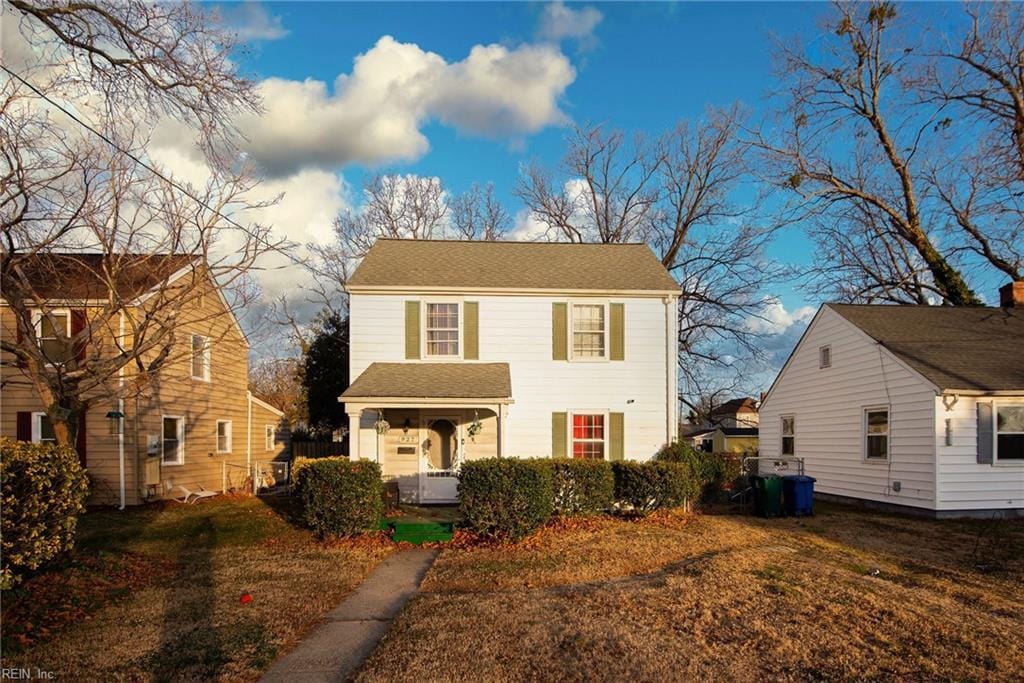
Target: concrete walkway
column 335, row 649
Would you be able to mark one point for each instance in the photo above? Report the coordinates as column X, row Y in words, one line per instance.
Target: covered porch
column 420, row 421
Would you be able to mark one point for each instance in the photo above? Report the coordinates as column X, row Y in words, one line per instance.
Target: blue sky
column 634, row 66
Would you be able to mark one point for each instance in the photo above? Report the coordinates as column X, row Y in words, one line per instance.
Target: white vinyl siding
column 517, row 330
column 963, row 482
column 830, row 412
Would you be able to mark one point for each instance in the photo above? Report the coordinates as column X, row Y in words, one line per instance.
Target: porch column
column 353, row 433
column 502, row 413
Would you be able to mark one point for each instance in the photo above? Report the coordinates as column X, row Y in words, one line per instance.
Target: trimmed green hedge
column 646, row 486
column 43, row 491
column 340, row 498
column 506, row 498
column 582, row 487
column 712, row 470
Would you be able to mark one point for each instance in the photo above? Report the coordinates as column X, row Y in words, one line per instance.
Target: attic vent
column 825, row 357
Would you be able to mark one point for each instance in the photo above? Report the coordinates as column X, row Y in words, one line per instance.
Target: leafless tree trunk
column 478, row 215
column 79, row 200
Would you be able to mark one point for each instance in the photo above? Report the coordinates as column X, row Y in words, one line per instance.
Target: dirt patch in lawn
column 843, row 595
column 214, row 590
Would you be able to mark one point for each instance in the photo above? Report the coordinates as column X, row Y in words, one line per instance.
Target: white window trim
column 995, row 434
column 205, row 377
column 270, row 437
column 783, row 435
column 864, row 433
column 607, row 425
column 37, row 427
column 228, row 435
column 181, row 441
column 822, row 351
column 37, row 323
column 424, row 308
column 573, row 303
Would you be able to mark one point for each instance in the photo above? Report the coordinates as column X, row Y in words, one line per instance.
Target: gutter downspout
column 120, row 431
column 671, row 353
column 248, row 430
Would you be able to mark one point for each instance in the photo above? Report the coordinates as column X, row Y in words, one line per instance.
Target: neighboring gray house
column 917, row 406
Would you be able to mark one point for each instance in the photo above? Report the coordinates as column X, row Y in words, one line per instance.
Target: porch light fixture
column 114, row 418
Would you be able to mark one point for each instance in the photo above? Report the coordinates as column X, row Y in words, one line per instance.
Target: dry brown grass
column 843, row 595
column 183, row 619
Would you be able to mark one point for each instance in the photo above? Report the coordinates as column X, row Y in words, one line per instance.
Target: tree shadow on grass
column 197, row 643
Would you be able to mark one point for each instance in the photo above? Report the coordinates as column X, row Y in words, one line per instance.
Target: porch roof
column 466, row 381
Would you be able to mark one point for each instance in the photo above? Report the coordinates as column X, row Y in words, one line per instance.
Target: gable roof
column 512, row 265
column 736, row 405
column 76, row 276
column 971, row 348
column 432, row 380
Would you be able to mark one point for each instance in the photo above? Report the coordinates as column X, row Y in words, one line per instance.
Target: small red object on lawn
column 245, row 599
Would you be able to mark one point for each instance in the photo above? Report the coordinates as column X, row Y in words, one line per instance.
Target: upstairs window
column 200, row 357
column 1010, row 433
column 825, row 357
column 788, row 435
column 588, row 437
column 50, row 326
column 588, row 330
column 442, row 329
column 876, row 433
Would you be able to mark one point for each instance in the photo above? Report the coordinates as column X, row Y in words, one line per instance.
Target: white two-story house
column 464, row 350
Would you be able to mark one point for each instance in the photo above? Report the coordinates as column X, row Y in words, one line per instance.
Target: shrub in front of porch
column 506, row 498
column 340, row 498
column 43, row 491
column 582, row 487
column 646, row 486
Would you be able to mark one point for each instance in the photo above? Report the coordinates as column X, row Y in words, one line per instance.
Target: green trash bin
column 767, row 495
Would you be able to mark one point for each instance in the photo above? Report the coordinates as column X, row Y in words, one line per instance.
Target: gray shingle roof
column 516, row 265
column 432, row 380
column 966, row 347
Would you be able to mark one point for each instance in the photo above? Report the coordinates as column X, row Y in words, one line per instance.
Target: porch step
column 420, row 532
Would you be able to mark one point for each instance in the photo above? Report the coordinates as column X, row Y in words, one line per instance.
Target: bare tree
column 278, row 381
column 79, row 203
column 478, row 215
column 679, row 194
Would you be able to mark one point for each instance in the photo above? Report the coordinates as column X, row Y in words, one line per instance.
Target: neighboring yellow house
column 739, row 440
column 193, row 424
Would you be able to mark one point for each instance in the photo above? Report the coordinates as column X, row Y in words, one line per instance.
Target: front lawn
column 843, row 595
column 157, row 593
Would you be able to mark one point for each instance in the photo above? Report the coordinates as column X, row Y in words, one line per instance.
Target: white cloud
column 559, row 22
column 250, row 21
column 527, row 228
column 375, row 115
column 775, row 319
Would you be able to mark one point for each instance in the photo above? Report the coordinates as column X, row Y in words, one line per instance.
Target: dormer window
column 442, row 330
column 825, row 357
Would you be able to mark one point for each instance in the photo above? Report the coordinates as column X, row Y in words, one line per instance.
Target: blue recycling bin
column 798, row 495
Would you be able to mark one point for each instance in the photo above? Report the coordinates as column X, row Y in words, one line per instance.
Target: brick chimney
column 1011, row 295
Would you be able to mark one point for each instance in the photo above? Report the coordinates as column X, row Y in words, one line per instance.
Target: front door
column 438, row 459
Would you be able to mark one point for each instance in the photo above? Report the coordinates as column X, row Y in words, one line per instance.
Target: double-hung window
column 588, row 436
column 200, row 357
column 589, row 331
column 270, row 438
column 223, row 436
column 788, row 435
column 1009, row 433
column 173, row 440
column 876, row 433
column 442, row 330
column 42, row 429
column 53, row 330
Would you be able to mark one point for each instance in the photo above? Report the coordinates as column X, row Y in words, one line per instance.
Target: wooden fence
column 317, row 449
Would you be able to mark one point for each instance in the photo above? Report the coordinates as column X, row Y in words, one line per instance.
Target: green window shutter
column 559, row 331
column 471, row 330
column 559, row 437
column 412, row 330
column 617, row 313
column 616, row 436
